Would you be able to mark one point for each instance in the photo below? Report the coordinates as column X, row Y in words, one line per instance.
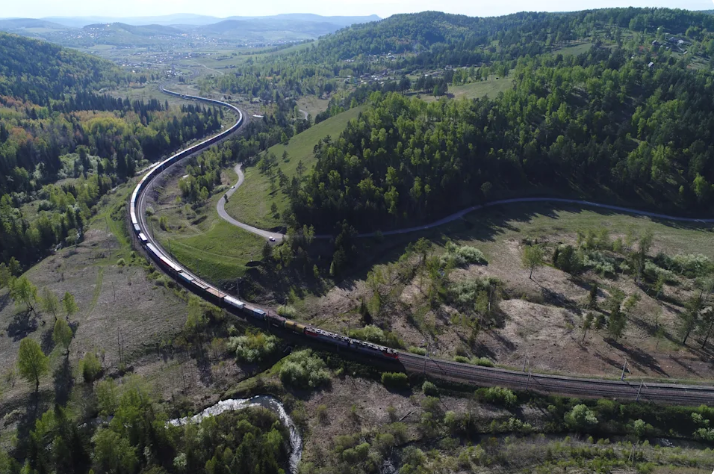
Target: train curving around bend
column 211, row 293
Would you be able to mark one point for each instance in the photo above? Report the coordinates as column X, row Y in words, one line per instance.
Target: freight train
column 213, row 294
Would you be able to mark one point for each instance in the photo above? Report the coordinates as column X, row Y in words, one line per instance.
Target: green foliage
column 24, row 292
column 90, row 367
column 253, row 347
column 113, row 453
column 395, row 380
column 532, row 258
column 498, row 396
column 32, row 363
column 303, row 369
column 459, row 256
column 377, row 335
column 70, row 307
column 49, row 303
column 62, row 334
column 287, row 311
column 568, row 259
column 581, row 418
column 429, row 389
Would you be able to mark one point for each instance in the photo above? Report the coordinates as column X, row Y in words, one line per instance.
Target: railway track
column 454, row 371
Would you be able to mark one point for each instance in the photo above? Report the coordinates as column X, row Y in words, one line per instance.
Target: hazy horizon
column 382, row 8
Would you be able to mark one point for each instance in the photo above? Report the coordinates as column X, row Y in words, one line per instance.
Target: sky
column 383, row 8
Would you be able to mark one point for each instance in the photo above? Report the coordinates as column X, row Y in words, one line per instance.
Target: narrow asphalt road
column 221, row 208
column 453, row 217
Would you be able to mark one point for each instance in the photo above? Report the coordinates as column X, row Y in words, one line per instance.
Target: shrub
column 462, row 256
column 600, row 263
column 569, row 260
column 653, row 273
column 90, row 367
column 287, row 311
column 121, row 262
column 303, row 369
column 430, row 389
column 462, row 359
column 483, row 362
column 253, row 347
column 374, row 334
column 397, row 380
column 417, row 350
column 498, row 396
column 581, row 418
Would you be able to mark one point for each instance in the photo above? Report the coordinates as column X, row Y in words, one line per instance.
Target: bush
column 417, row 350
column 462, row 256
column 462, row 359
column 303, row 369
column 581, row 418
column 397, row 380
column 121, row 262
column 653, row 273
column 602, row 264
column 90, row 367
column 287, row 311
column 430, row 389
column 253, row 347
column 569, row 260
column 378, row 336
column 483, row 362
column 498, row 396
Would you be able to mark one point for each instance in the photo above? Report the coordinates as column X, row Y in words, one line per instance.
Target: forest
column 52, row 72
column 608, row 123
column 139, row 439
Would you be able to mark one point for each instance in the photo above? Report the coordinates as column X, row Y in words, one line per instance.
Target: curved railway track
column 483, row 376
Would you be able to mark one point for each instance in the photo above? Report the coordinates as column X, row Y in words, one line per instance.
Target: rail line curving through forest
column 672, row 393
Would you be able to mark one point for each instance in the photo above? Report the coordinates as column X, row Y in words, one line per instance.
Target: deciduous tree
column 32, row 363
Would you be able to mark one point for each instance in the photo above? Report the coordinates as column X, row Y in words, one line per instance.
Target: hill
column 51, row 72
column 178, row 29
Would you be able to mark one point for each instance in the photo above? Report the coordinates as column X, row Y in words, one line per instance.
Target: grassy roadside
column 201, row 240
column 251, row 203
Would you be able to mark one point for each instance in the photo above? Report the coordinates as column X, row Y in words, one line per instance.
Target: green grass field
column 574, row 50
column 251, row 203
column 207, row 245
column 476, row 90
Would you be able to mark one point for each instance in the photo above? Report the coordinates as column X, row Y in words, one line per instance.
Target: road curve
column 455, row 216
column 221, row 208
column 547, row 384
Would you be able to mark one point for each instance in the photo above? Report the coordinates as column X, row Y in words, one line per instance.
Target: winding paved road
column 221, row 208
column 451, row 218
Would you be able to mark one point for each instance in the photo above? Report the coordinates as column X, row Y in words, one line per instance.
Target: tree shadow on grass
column 46, row 341
column 638, row 357
column 21, row 326
column 63, row 381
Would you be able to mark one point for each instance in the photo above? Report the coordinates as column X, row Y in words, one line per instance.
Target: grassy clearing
column 251, row 203
column 201, row 240
column 574, row 50
column 313, row 105
column 477, row 90
column 218, row 254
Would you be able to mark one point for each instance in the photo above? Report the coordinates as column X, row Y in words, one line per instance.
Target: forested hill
column 533, row 32
column 37, row 71
column 625, row 115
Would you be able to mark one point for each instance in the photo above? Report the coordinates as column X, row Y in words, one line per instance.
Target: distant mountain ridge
column 188, row 19
column 173, row 29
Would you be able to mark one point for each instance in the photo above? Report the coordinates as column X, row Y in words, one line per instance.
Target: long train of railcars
column 213, row 294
